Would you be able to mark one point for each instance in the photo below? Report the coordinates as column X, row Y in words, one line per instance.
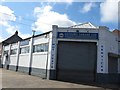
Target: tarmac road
column 12, row 79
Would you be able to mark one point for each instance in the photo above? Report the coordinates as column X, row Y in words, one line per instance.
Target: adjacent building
column 13, row 39
column 81, row 53
column 117, row 33
column 0, row 54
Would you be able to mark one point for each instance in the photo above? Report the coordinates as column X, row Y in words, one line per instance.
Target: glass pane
column 46, row 47
column 6, row 52
column 40, row 48
column 14, row 51
column 24, row 50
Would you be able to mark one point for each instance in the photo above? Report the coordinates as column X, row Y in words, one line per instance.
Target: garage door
column 113, row 69
column 112, row 64
column 76, row 61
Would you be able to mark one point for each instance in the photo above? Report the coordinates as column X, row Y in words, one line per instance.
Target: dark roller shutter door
column 113, row 69
column 76, row 61
column 112, row 64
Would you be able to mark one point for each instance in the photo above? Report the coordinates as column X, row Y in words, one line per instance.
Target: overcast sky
column 40, row 16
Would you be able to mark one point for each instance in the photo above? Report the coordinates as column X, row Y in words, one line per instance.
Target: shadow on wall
column 0, row 61
column 7, row 61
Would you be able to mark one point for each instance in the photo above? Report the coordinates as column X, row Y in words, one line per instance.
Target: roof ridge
column 89, row 23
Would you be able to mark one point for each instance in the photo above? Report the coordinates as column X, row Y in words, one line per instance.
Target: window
column 6, row 52
column 24, row 50
column 13, row 51
column 40, row 48
column 25, row 42
column 46, row 47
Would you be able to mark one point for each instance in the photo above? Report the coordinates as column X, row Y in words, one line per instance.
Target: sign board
column 77, row 35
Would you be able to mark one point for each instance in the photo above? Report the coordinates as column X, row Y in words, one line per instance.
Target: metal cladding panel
column 76, row 61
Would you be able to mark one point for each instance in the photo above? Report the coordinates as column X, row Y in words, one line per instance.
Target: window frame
column 28, row 51
column 5, row 52
column 12, row 50
column 42, row 45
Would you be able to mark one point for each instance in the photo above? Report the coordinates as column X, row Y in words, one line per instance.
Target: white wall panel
column 39, row 61
column 13, row 60
column 4, row 58
column 24, row 60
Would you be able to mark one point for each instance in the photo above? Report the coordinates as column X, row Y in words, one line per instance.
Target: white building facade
column 81, row 53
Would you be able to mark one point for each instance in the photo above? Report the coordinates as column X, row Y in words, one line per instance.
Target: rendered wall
column 13, row 58
column 40, row 59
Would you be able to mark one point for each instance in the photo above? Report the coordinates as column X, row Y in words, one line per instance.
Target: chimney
column 16, row 33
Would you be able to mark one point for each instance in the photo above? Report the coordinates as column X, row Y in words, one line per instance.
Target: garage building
column 81, row 53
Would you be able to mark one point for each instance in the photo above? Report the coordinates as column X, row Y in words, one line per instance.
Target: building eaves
column 13, row 39
column 37, row 35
